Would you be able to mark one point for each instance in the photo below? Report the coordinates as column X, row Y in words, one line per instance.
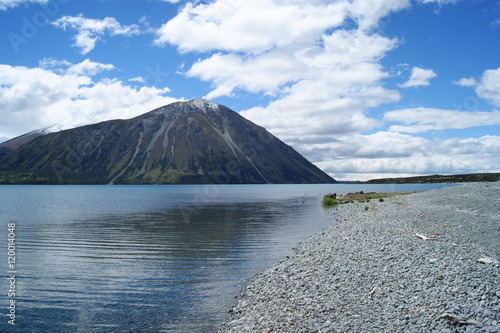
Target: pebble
column 368, row 272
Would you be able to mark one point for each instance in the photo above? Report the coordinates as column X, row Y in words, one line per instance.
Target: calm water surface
column 149, row 258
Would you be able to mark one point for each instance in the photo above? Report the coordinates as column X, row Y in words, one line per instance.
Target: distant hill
column 194, row 142
column 464, row 178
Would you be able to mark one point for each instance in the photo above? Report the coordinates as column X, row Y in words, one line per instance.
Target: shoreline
column 370, row 272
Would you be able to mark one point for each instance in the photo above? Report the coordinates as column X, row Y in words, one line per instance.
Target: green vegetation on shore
column 329, row 201
column 333, row 199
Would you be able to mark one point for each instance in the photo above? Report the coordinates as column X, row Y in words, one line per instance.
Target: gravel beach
column 370, row 272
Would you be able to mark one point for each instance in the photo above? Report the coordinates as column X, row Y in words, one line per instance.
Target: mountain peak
column 197, row 104
column 204, row 105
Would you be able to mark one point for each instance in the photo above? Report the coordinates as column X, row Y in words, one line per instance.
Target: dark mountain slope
column 186, row 142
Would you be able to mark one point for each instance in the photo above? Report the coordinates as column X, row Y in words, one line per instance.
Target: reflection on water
column 147, row 258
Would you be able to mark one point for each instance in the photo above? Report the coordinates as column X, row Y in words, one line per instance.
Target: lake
column 156, row 258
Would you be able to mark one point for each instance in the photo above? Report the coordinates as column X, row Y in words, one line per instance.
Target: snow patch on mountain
column 204, row 105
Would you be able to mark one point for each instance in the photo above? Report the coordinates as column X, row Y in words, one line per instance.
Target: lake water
column 149, row 258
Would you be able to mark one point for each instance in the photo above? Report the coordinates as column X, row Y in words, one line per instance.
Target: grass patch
column 328, row 201
column 332, row 199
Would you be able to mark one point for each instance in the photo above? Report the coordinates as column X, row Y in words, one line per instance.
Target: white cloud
column 171, row 1
column 264, row 73
column 9, row 4
column 280, row 47
column 386, row 154
column 55, row 65
column 345, row 58
column 137, row 79
column 86, row 67
column 369, row 12
column 417, row 120
column 92, row 30
column 338, row 82
column 318, row 108
column 488, row 87
column 249, row 26
column 466, row 82
column 419, row 77
column 262, row 25
column 32, row 98
column 378, row 145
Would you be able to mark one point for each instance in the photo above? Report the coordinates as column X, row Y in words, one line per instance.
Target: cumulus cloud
column 139, row 79
column 369, row 12
column 257, row 74
column 86, row 67
column 32, row 98
column 388, row 154
column 466, row 82
column 417, row 120
column 318, row 107
column 9, row 4
column 339, row 81
column 260, row 25
column 488, row 87
column 249, row 26
column 419, row 77
column 372, row 146
column 89, row 31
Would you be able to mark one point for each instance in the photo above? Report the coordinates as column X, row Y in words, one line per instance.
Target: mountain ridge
column 193, row 142
column 18, row 141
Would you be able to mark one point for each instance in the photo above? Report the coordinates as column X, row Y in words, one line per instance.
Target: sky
column 362, row 88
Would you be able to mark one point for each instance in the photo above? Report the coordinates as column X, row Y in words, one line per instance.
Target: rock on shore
column 369, row 272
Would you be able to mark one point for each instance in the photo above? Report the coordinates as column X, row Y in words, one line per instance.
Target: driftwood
column 487, row 260
column 458, row 322
column 370, row 294
column 422, row 237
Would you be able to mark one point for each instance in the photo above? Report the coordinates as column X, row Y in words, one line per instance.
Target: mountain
column 194, row 142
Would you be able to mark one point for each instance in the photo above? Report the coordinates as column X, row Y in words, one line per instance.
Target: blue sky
column 362, row 88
